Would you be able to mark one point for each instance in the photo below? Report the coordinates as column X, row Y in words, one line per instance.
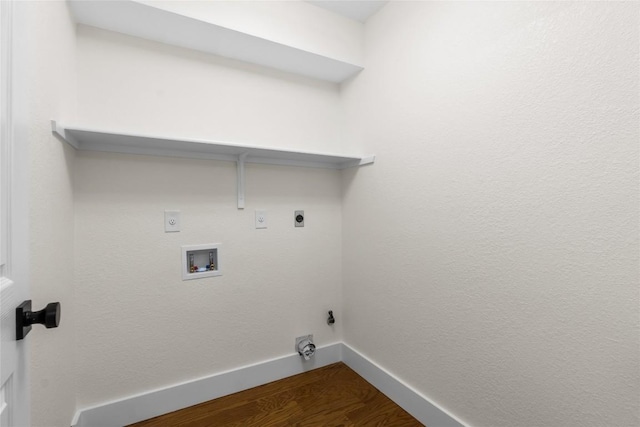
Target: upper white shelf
column 153, row 23
column 119, row 142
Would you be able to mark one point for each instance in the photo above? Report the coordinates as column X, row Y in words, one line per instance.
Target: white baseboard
column 407, row 398
column 158, row 402
column 147, row 405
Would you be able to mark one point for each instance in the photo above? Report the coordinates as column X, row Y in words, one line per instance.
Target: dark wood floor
column 330, row 396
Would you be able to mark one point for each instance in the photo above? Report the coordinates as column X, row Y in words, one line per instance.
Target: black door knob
column 49, row 317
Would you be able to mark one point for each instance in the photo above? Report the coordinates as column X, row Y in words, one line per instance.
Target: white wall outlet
column 298, row 218
column 171, row 221
column 261, row 219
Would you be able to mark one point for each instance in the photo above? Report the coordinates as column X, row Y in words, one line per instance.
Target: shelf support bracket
column 240, row 171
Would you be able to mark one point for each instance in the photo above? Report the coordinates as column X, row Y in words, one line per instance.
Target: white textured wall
column 50, row 75
column 491, row 253
column 129, row 83
column 142, row 326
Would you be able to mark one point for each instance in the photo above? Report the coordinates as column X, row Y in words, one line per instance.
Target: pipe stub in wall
column 306, row 348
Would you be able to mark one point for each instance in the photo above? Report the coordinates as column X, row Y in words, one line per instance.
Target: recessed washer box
column 199, row 261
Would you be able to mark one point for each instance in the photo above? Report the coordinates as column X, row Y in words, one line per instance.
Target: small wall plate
column 298, row 218
column 171, row 221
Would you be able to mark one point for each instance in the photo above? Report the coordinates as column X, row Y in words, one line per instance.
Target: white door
column 14, row 391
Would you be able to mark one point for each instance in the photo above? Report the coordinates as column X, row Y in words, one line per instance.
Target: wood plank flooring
column 330, row 396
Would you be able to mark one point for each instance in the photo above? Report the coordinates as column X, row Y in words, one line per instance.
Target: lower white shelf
column 83, row 138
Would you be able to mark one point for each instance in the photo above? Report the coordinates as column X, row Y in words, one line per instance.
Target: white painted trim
column 151, row 404
column 161, row 401
column 424, row 410
column 6, row 132
column 14, row 167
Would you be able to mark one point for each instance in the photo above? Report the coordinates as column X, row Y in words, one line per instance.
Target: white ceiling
column 359, row 10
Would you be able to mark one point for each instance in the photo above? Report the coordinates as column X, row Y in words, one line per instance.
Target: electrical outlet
column 298, row 218
column 261, row 219
column 171, row 221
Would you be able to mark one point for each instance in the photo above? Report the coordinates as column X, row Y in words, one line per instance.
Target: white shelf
column 82, row 138
column 129, row 143
column 153, row 23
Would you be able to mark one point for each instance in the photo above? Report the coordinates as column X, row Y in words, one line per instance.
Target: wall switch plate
column 298, row 218
column 171, row 221
column 261, row 219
